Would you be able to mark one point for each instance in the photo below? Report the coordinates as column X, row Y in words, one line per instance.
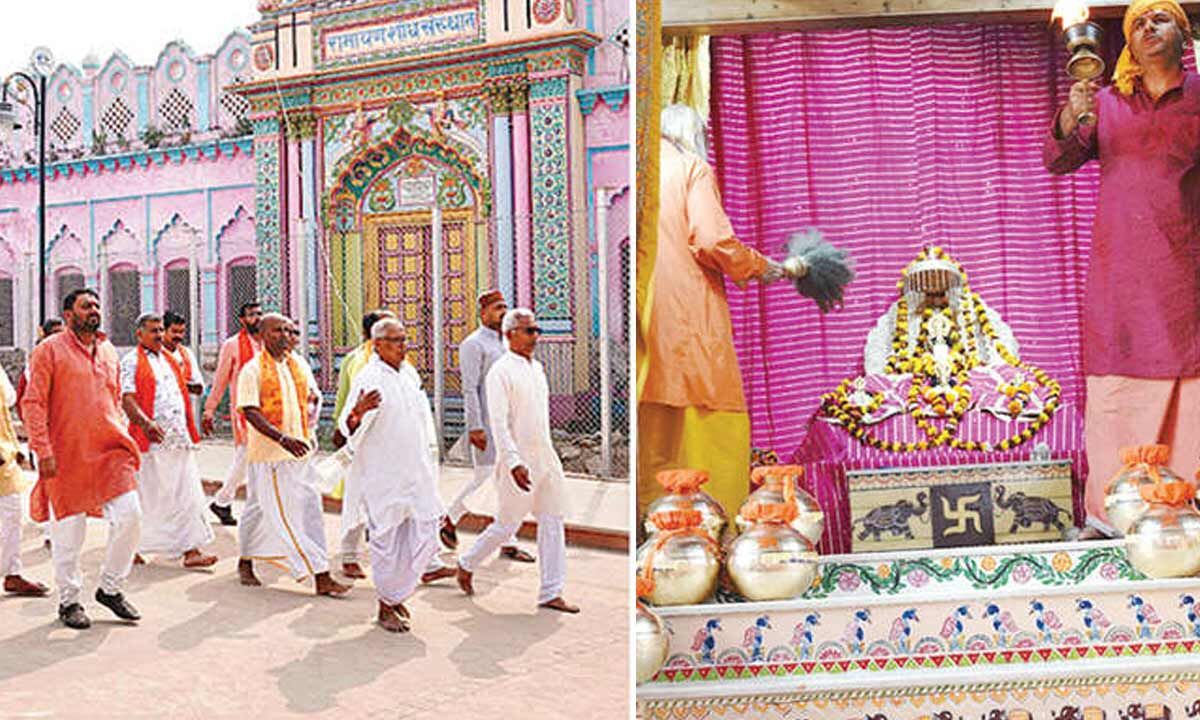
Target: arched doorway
column 382, row 245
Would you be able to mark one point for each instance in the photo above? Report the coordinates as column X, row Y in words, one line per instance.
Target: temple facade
column 338, row 156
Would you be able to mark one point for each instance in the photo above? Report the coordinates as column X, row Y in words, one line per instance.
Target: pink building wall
column 124, row 205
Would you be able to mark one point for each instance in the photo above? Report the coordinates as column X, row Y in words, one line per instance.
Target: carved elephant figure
column 894, row 518
column 1030, row 509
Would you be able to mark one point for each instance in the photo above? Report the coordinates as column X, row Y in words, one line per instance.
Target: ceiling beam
column 731, row 17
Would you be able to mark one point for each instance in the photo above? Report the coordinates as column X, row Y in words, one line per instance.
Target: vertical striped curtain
column 888, row 140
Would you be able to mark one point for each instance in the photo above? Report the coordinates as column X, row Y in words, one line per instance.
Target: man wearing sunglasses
column 476, row 355
column 529, row 474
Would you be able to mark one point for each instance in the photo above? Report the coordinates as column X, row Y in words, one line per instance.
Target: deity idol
column 938, row 354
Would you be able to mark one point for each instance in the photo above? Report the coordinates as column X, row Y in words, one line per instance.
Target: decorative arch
column 67, row 247
column 349, row 189
column 240, row 215
column 172, row 226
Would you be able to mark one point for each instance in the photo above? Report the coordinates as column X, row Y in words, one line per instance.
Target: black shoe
column 73, row 616
column 118, row 604
column 448, row 534
column 223, row 513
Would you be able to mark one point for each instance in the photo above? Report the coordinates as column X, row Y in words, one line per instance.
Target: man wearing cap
column 1141, row 352
column 476, row 355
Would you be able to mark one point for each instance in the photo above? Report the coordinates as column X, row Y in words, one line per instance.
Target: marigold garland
column 938, row 411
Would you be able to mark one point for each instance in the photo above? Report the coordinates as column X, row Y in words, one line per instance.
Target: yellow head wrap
column 1127, row 68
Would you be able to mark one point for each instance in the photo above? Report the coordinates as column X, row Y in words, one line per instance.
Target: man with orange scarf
column 1141, row 310
column 87, row 462
column 236, row 352
column 282, row 519
column 155, row 396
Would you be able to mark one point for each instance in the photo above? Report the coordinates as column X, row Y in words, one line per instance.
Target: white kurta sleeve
column 500, row 407
column 129, row 372
column 470, row 361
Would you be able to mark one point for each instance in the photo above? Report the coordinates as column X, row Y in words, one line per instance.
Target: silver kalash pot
column 651, row 642
column 1143, row 466
column 683, row 490
column 681, row 558
column 771, row 560
column 780, row 484
column 1164, row 542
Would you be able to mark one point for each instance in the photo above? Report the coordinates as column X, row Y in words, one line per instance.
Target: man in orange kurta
column 691, row 407
column 236, row 352
column 86, row 459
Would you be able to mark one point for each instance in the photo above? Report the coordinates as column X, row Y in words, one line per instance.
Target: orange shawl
column 145, row 387
column 271, row 392
column 245, row 354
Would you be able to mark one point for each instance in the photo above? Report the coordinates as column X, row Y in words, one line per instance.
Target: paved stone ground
column 209, row 648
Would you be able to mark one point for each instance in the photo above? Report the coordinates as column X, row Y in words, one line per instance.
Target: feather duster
column 829, row 269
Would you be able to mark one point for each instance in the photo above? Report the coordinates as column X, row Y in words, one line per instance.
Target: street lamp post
column 42, row 62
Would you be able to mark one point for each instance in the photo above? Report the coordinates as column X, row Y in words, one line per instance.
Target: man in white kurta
column 282, row 519
column 169, row 488
column 393, row 474
column 529, row 474
column 476, row 355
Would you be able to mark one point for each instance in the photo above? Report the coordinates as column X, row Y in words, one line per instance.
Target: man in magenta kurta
column 1141, row 312
column 86, row 458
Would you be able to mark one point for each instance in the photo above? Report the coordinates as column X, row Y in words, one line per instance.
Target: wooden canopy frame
column 731, row 17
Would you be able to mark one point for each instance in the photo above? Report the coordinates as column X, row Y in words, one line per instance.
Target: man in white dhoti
column 393, row 474
column 175, row 344
column 156, row 399
column 356, row 360
column 281, row 520
column 476, row 355
column 529, row 475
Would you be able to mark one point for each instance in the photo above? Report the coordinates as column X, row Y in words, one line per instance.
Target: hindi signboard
column 402, row 34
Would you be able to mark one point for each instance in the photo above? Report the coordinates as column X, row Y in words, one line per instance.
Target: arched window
column 7, row 331
column 68, row 281
column 179, row 291
column 241, row 286
column 123, row 304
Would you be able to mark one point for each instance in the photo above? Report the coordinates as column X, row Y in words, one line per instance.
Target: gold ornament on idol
column 681, row 559
column 940, row 361
column 683, row 490
column 771, row 561
column 780, row 484
column 1165, row 541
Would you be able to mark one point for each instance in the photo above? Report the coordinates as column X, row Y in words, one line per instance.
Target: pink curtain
column 888, row 140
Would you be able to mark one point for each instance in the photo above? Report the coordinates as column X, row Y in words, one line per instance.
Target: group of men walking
column 117, row 438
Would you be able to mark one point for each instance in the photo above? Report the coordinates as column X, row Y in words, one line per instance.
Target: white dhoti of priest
column 282, row 520
column 529, row 475
column 393, row 472
column 155, row 397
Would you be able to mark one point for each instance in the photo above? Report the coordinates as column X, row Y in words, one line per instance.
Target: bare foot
column 560, row 605
column 196, row 559
column 17, row 585
column 390, row 618
column 353, row 570
column 1091, row 533
column 326, row 585
column 464, row 581
column 435, row 575
column 246, row 573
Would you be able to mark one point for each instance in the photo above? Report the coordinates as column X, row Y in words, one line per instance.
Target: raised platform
column 905, row 628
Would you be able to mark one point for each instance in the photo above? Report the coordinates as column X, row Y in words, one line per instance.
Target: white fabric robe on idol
column 393, row 472
column 169, row 489
column 518, row 399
